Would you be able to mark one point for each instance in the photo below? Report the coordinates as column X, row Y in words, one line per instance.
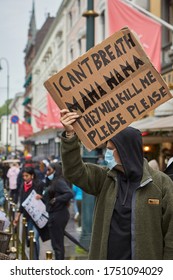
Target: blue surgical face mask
column 51, row 176
column 109, row 158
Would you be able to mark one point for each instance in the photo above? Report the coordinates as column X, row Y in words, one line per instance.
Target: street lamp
column 7, row 112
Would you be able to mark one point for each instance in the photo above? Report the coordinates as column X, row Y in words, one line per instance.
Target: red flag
column 43, row 118
column 148, row 31
column 38, row 121
column 53, row 113
column 25, row 129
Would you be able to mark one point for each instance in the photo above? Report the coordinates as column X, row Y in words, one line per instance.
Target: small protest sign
column 36, row 209
column 110, row 86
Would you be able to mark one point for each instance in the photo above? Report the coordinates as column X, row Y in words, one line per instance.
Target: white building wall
column 49, row 60
column 76, row 30
column 101, row 22
column 65, row 41
column 17, row 109
column 4, row 131
column 143, row 3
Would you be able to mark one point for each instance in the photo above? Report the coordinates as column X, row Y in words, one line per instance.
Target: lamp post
column 7, row 112
column 88, row 201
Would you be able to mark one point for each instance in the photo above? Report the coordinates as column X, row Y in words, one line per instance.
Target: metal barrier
column 24, row 230
column 17, row 240
column 20, row 240
column 49, row 255
column 31, row 244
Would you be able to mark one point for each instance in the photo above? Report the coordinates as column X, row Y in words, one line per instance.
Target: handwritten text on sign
column 110, row 86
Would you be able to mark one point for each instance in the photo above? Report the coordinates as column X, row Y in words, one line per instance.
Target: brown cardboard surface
column 110, row 86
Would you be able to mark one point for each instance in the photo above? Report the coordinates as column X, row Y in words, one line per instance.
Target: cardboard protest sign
column 110, row 86
column 36, row 209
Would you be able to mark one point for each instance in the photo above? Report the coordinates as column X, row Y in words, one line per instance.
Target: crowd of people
column 46, row 179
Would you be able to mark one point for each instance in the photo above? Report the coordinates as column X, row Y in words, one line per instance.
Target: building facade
column 6, row 131
column 64, row 41
column 17, row 109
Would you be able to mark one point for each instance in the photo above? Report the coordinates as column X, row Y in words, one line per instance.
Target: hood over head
column 128, row 143
column 57, row 168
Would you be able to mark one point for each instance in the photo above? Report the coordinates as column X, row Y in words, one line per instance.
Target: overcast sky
column 14, row 22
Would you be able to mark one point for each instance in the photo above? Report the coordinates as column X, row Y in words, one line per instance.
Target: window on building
column 71, row 54
column 80, row 46
column 51, row 147
column 167, row 15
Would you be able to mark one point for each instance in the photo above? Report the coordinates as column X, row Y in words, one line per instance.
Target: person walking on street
column 2, row 195
column 133, row 217
column 12, row 175
column 57, row 197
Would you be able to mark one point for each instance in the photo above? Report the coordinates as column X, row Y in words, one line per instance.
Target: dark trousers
column 57, row 223
column 14, row 195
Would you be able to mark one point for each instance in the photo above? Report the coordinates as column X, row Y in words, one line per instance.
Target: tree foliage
column 3, row 108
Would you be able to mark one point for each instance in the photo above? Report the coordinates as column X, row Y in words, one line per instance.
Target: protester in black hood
column 131, row 155
column 133, row 217
column 129, row 165
column 57, row 197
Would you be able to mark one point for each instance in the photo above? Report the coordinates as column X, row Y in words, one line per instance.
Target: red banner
column 53, row 113
column 148, row 31
column 24, row 129
column 38, row 121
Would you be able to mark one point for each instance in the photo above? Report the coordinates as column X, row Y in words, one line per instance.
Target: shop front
column 157, row 134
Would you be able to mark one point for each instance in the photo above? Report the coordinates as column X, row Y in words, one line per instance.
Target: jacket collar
column 146, row 178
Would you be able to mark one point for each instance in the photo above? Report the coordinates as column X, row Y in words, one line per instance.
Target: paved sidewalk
column 71, row 250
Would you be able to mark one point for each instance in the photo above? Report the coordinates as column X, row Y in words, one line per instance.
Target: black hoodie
column 59, row 189
column 128, row 143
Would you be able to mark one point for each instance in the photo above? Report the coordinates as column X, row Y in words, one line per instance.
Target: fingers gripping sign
column 67, row 119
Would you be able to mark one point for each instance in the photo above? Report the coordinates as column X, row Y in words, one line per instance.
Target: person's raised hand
column 67, row 119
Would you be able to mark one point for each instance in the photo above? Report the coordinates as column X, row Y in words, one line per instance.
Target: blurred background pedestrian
column 12, row 175
column 57, row 198
column 2, row 196
column 30, row 182
column 77, row 205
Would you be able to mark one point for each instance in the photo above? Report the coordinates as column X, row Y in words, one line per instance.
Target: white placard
column 36, row 209
column 4, row 218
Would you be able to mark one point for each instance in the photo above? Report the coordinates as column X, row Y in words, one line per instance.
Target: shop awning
column 154, row 124
column 27, row 81
column 26, row 101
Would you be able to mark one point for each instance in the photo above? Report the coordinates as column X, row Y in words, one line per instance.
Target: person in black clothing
column 57, row 197
column 169, row 169
column 5, row 168
column 133, row 215
column 30, row 182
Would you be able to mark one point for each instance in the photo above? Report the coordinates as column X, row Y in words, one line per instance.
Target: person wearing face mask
column 57, row 197
column 133, row 217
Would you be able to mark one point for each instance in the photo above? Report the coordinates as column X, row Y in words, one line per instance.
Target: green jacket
column 152, row 205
